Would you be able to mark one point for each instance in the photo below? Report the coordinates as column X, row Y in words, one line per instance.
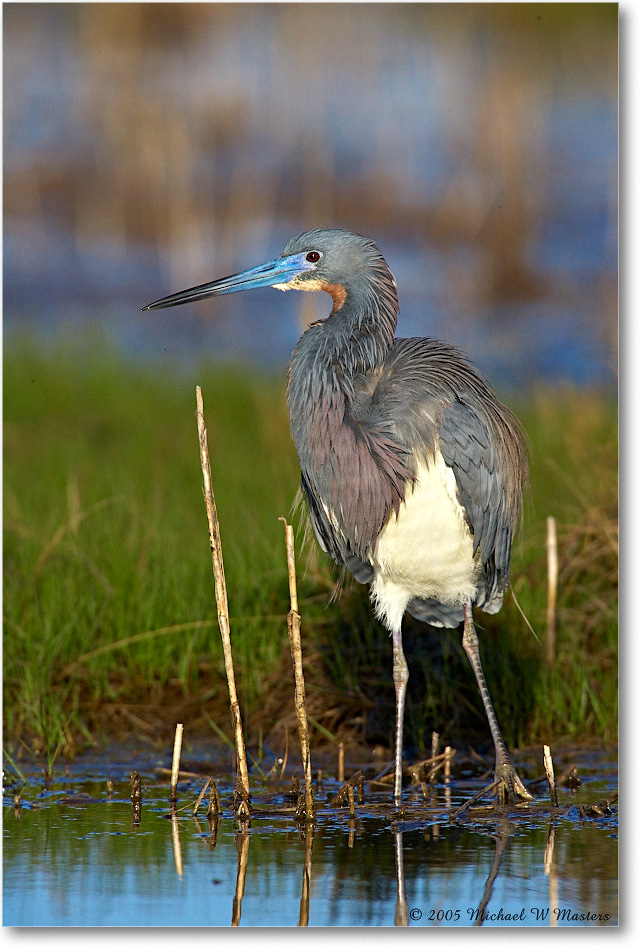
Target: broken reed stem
column 434, row 752
column 176, row 761
column 550, row 775
column 551, row 557
column 136, row 797
column 201, row 796
column 214, row 809
column 422, row 783
column 489, row 789
column 214, row 804
column 448, row 757
column 221, row 600
column 284, row 760
column 341, row 763
column 294, row 634
column 355, row 781
column 351, row 800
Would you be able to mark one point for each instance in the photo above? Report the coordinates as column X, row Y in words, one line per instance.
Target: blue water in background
column 391, row 117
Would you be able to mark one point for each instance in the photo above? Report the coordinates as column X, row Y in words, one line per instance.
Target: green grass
column 108, row 590
column 106, row 536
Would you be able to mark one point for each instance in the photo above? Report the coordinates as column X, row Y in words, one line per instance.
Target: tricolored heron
column 412, row 468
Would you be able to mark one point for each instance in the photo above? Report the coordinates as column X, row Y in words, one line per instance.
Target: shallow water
column 73, row 856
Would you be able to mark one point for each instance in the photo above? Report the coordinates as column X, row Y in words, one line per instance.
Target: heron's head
column 339, row 262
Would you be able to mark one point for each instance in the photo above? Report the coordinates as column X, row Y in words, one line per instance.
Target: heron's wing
column 468, row 448
column 358, row 455
column 352, row 486
column 433, row 400
column 333, row 541
column 431, row 611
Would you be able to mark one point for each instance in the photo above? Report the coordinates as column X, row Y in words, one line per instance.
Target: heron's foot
column 511, row 788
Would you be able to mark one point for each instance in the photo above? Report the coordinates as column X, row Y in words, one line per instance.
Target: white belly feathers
column 426, row 550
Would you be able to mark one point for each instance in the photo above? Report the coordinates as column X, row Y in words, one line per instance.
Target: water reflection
column 304, row 912
column 502, row 835
column 401, row 907
column 550, row 868
column 214, row 825
column 421, row 869
column 176, row 842
column 242, row 840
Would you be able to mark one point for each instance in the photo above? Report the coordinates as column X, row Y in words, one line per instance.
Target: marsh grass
column 110, row 618
column 106, row 537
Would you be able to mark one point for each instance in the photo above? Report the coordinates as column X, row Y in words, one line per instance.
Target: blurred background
column 150, row 147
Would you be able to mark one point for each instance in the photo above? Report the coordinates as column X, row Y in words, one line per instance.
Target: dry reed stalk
column 347, row 791
column 449, row 755
column 176, row 762
column 488, row 790
column 299, row 811
column 214, row 809
column 208, row 784
column 427, row 769
column 422, row 782
column 341, row 763
column 284, row 760
column 570, row 777
column 294, row 634
column 550, row 775
column 351, row 800
column 434, row 752
column 551, row 557
column 243, row 784
column 136, row 797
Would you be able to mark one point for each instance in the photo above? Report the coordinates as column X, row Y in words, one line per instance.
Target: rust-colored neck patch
column 338, row 294
column 336, row 291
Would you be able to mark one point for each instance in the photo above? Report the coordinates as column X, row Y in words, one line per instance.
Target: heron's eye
column 313, row 257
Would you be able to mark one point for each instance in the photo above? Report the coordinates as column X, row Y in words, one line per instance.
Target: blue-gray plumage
column 412, row 468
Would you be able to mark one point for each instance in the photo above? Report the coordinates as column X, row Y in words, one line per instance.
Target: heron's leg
column 511, row 785
column 400, row 679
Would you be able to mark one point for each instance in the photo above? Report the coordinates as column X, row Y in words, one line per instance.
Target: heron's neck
column 355, row 337
column 331, row 354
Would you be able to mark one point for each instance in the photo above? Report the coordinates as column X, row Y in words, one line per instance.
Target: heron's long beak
column 275, row 273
